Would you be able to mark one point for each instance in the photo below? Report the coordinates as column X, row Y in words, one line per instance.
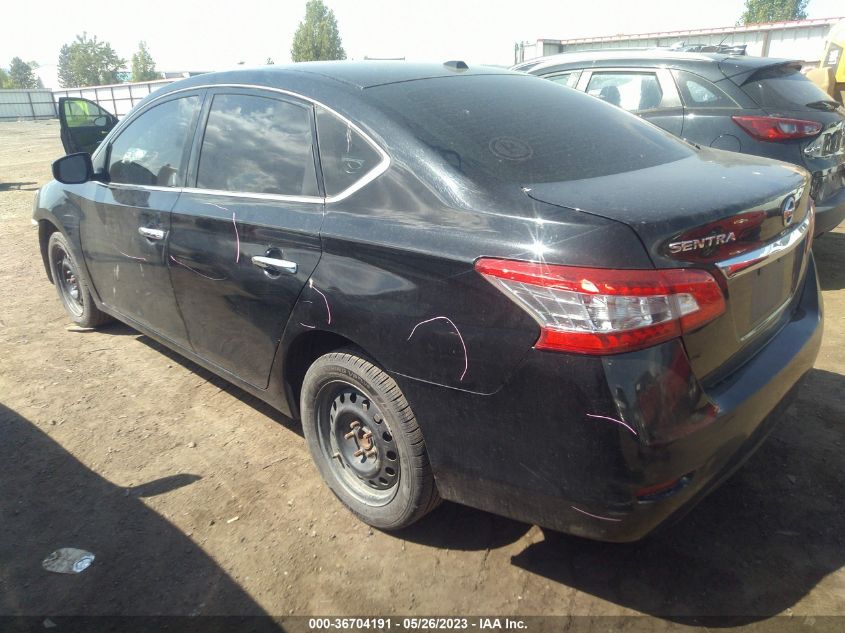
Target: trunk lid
column 720, row 211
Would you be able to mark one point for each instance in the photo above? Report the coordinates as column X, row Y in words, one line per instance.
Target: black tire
column 72, row 285
column 390, row 486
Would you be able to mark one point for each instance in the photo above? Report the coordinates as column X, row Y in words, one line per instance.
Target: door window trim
column 370, row 176
column 199, row 137
column 109, row 141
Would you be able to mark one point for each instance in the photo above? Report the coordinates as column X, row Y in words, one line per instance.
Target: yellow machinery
column 830, row 75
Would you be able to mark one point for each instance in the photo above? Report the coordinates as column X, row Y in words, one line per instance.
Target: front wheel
column 365, row 441
column 72, row 285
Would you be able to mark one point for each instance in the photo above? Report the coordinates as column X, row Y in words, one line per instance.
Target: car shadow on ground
column 143, row 566
column 752, row 549
column 829, row 250
column 457, row 527
column 449, row 526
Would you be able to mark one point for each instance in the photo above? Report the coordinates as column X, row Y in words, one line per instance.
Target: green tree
column 5, row 82
column 317, row 37
column 757, row 11
column 88, row 62
column 21, row 75
column 143, row 66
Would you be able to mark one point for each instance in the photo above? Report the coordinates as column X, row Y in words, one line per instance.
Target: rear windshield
column 783, row 88
column 521, row 130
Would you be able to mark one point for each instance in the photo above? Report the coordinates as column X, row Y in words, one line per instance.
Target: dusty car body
column 531, row 317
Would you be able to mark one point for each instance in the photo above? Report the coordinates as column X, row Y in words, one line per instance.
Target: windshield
column 784, row 88
column 522, row 129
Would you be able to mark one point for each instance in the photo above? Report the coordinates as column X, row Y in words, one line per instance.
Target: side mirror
column 73, row 169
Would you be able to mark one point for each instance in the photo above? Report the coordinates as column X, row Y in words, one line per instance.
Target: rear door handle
column 274, row 265
column 152, row 234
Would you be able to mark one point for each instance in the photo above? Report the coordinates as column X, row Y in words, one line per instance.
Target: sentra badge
column 701, row 243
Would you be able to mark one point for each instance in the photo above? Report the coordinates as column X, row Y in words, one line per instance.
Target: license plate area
column 760, row 294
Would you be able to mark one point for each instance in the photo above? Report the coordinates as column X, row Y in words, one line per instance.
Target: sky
column 213, row 35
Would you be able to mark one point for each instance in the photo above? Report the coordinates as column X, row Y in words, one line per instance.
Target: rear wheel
column 71, row 285
column 365, row 441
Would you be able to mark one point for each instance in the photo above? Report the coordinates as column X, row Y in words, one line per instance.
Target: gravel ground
column 198, row 499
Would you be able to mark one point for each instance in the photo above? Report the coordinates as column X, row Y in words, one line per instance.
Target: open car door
column 83, row 124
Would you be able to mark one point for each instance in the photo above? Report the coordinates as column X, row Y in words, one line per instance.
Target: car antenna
column 456, row 65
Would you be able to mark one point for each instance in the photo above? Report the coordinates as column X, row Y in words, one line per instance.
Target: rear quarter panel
column 397, row 274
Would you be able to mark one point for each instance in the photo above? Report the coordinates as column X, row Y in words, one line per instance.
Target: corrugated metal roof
column 723, row 30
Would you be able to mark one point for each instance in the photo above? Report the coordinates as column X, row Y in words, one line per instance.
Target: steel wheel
column 358, row 443
column 67, row 281
column 71, row 284
column 365, row 440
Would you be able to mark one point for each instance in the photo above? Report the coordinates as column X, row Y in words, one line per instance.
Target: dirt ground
column 198, row 499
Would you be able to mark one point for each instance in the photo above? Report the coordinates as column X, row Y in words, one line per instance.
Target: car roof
column 357, row 74
column 717, row 65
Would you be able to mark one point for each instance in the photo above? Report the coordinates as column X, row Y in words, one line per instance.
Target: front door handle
column 274, row 265
column 152, row 234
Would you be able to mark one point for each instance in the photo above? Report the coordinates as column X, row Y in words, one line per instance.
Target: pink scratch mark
column 235, row 224
column 310, row 327
column 620, row 422
column 328, row 309
column 140, row 259
column 193, row 270
column 457, row 331
column 595, row 516
column 237, row 238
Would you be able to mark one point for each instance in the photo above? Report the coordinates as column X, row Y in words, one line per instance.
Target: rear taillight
column 600, row 311
column 770, row 128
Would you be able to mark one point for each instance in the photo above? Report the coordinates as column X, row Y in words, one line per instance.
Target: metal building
column 798, row 39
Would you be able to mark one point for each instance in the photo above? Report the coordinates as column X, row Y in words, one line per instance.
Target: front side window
column 258, row 145
column 153, row 148
column 634, row 92
column 345, row 156
column 84, row 113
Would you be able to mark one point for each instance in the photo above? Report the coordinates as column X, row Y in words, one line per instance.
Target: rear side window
column 258, row 145
column 783, row 88
column 521, row 129
column 346, row 157
column 152, row 149
column 570, row 80
column 697, row 92
column 634, row 92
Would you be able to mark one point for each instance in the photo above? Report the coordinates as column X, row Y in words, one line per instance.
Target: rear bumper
column 574, row 443
column 830, row 212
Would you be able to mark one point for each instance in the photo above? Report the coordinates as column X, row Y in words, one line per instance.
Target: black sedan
column 754, row 105
column 571, row 318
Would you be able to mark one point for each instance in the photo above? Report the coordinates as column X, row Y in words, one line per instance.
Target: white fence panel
column 26, row 104
column 118, row 99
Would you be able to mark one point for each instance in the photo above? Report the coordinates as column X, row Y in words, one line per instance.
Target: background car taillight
column 600, row 311
column 770, row 128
